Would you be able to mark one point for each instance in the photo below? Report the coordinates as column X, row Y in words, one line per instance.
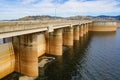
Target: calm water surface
column 94, row 57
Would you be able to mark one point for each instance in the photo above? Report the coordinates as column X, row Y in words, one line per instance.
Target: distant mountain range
column 101, row 17
column 104, row 16
column 46, row 17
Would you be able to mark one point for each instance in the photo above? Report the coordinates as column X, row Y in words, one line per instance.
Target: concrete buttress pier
column 81, row 30
column 76, row 32
column 68, row 36
column 7, row 59
column 54, row 42
column 27, row 54
column 87, row 27
column 41, row 44
column 58, row 42
column 84, row 29
column 50, row 41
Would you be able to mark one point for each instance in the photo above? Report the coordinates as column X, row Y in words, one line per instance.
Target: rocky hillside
column 41, row 18
column 45, row 17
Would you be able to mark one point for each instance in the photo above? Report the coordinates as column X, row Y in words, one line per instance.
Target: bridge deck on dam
column 15, row 28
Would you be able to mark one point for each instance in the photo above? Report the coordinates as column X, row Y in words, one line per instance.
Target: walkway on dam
column 15, row 28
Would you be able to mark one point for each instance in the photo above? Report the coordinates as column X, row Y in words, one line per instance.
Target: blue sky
column 13, row 9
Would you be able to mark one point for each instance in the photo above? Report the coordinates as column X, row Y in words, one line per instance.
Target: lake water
column 94, row 57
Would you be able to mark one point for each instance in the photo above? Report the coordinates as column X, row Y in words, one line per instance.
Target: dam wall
column 118, row 24
column 103, row 26
column 7, row 59
column 20, row 49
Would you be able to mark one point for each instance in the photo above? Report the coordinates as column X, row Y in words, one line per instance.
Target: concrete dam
column 22, row 42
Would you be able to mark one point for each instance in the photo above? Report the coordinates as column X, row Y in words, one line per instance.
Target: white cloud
column 75, row 6
column 68, row 8
column 27, row 1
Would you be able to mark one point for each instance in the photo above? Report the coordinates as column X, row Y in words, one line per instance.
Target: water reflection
column 93, row 57
column 67, row 68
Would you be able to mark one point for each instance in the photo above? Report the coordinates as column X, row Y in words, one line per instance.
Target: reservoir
column 96, row 56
